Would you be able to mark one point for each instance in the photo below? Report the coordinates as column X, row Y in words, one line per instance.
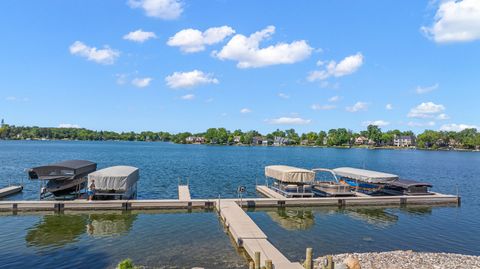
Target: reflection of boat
column 291, row 181
column 375, row 216
column 115, row 182
column 64, row 177
column 56, row 230
column 110, row 224
column 293, row 219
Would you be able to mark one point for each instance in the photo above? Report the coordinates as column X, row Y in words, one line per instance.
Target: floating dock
column 10, row 190
column 184, row 193
column 249, row 236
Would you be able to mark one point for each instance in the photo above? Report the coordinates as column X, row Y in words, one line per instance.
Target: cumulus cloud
column 189, row 79
column 187, row 97
column 426, row 110
column 163, row 9
column 427, row 89
column 283, row 95
column 457, row 127
column 289, row 121
column 347, row 66
column 141, row 82
column 421, row 124
column 388, row 106
column 455, row 21
column 193, row 40
column 358, row 106
column 443, row 116
column 379, row 123
column 139, row 36
column 245, row 110
column 322, row 107
column 101, row 56
column 247, row 52
column 68, row 125
column 334, row 98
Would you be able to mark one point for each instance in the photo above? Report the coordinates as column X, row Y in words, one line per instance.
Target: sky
column 180, row 65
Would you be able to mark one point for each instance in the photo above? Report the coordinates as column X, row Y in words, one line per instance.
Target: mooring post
column 251, row 265
column 257, row 260
column 308, row 259
column 268, row 264
column 330, row 264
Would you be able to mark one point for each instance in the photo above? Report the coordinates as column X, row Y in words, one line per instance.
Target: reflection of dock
column 249, row 236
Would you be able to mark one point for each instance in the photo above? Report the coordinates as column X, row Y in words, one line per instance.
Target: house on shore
column 195, row 140
column 404, row 141
column 281, row 141
column 361, row 140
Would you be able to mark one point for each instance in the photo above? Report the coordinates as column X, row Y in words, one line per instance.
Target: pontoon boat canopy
column 62, row 170
column 116, row 178
column 365, row 175
column 407, row 183
column 289, row 174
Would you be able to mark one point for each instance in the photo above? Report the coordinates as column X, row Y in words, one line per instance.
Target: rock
column 352, row 263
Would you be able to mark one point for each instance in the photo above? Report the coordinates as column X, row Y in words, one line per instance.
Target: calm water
column 154, row 239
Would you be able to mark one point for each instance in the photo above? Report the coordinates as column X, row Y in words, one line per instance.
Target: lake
column 170, row 239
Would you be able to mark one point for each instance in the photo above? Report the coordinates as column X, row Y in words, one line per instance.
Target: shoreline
column 405, row 259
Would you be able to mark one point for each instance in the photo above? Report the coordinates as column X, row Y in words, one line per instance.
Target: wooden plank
column 241, row 226
column 183, row 193
column 4, row 192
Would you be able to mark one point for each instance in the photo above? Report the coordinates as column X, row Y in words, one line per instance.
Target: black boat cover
column 63, row 170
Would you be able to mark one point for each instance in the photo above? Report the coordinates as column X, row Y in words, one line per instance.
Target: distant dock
column 4, row 192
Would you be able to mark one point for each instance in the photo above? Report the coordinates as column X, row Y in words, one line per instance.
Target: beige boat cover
column 114, row 178
column 365, row 175
column 289, row 174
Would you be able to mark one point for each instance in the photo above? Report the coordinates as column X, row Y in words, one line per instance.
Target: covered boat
column 115, row 182
column 407, row 187
column 291, row 181
column 64, row 177
column 364, row 180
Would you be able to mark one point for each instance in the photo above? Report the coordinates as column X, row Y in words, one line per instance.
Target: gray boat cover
column 365, row 175
column 289, row 174
column 114, row 178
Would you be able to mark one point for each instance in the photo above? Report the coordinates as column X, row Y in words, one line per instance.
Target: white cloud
column 358, row 106
column 322, row 107
column 334, row 98
column 247, row 52
column 389, row 107
column 121, row 79
column 11, row 98
column 421, row 124
column 187, row 97
column 457, row 127
column 426, row 110
column 289, row 121
column 443, row 116
column 102, row 56
column 141, row 82
column 283, row 95
column 189, row 79
column 379, row 123
column 163, row 9
column 139, row 36
column 245, row 110
column 193, row 40
column 68, row 125
column 455, row 21
column 422, row 90
column 347, row 66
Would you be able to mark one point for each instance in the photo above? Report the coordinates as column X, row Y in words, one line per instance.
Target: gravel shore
column 408, row 259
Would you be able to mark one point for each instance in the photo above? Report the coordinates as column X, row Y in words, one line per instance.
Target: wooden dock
column 184, row 193
column 249, row 236
column 4, row 192
column 267, row 192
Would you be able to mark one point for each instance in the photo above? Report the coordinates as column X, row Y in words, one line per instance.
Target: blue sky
column 189, row 65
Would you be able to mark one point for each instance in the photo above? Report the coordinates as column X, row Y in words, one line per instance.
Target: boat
column 291, row 181
column 407, row 187
column 115, row 182
column 63, row 178
column 328, row 187
column 366, row 181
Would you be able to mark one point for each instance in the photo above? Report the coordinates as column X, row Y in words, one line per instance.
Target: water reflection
column 293, row 218
column 61, row 229
column 378, row 217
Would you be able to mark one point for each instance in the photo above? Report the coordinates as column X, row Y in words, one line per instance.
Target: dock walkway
column 249, row 236
column 269, row 193
column 10, row 190
column 184, row 193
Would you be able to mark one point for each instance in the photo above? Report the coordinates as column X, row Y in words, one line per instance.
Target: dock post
column 308, row 259
column 251, row 265
column 268, row 264
column 330, row 264
column 257, row 260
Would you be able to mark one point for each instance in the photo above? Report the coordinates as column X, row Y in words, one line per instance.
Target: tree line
column 429, row 139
